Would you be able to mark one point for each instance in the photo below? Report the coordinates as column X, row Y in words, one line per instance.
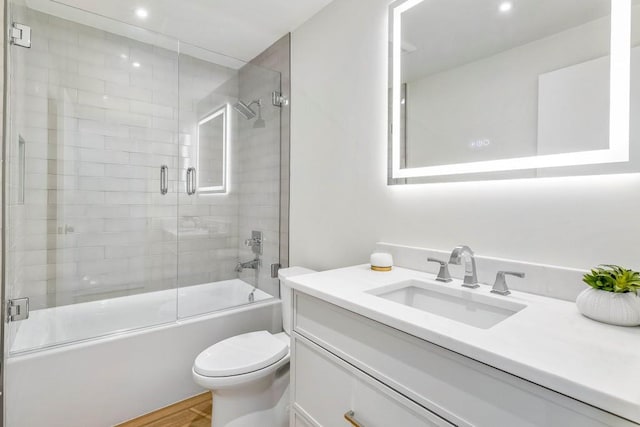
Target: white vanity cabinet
column 328, row 389
column 343, row 362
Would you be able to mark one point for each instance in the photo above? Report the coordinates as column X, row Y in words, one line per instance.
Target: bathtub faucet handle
column 255, row 242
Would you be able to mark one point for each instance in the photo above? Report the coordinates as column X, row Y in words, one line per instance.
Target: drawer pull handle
column 351, row 417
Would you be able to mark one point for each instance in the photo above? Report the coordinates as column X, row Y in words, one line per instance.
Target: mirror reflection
column 485, row 81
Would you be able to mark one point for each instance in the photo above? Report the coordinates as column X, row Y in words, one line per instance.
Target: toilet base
column 264, row 402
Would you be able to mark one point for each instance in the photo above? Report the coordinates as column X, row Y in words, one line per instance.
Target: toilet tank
column 286, row 295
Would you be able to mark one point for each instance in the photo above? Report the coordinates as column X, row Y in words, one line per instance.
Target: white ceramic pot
column 609, row 307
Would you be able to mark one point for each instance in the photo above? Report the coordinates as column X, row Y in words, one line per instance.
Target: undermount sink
column 465, row 306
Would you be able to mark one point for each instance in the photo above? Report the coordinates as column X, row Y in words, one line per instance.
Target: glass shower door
column 91, row 167
column 229, row 190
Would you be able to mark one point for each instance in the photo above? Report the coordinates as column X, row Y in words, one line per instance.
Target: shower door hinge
column 278, row 99
column 18, row 309
column 21, row 35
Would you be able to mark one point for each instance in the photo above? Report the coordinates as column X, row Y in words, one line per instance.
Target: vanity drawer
column 326, row 388
column 462, row 390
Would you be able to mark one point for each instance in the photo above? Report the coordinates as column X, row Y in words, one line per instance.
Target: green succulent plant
column 613, row 278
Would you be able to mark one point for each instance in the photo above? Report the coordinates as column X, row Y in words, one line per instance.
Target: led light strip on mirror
column 620, row 74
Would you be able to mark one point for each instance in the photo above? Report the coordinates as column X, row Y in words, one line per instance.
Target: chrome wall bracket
column 17, row 309
column 274, row 270
column 278, row 99
column 20, row 35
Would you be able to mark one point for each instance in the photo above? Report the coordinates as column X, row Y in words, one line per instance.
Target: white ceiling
column 237, row 28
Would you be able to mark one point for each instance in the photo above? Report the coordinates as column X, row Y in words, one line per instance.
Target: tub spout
column 253, row 264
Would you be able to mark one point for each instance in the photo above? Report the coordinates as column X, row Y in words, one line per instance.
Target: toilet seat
column 242, row 359
column 240, row 354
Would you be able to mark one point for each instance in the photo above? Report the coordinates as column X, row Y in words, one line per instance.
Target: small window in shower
column 212, row 152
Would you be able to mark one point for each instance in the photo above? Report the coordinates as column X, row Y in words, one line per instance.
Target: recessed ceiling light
column 505, row 6
column 123, row 56
column 136, row 65
column 141, row 13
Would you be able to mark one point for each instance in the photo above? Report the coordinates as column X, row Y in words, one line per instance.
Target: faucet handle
column 443, row 274
column 500, row 285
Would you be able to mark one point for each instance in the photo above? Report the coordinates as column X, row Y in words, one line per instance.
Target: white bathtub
column 118, row 376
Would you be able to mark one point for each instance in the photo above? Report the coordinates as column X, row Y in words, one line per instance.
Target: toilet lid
column 240, row 354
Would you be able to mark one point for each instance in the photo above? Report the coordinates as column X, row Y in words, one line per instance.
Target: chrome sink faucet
column 470, row 276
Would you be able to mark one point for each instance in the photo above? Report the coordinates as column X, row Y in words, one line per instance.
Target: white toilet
column 248, row 374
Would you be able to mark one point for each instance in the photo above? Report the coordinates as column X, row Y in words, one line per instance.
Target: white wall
column 341, row 205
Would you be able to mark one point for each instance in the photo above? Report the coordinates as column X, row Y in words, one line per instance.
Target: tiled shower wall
column 96, row 129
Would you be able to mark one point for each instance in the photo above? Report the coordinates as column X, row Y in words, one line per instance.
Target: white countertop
column 548, row 343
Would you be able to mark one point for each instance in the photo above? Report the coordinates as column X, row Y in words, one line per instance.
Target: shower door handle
column 164, row 179
column 191, row 181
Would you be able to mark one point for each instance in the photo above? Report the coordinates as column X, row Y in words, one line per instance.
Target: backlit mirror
column 488, row 89
column 212, row 152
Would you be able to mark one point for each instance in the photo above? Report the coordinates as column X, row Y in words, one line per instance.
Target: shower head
column 249, row 113
column 245, row 110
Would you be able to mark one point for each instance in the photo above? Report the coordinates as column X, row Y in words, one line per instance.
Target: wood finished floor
column 193, row 412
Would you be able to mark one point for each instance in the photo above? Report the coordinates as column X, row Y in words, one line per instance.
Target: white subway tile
column 155, row 135
column 101, row 128
column 129, row 91
column 121, row 171
column 77, row 81
column 109, row 74
column 100, row 211
column 103, row 156
column 76, row 197
column 126, row 118
column 151, row 109
column 128, row 224
column 101, row 267
column 91, row 169
column 102, row 101
column 165, row 124
column 36, row 74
